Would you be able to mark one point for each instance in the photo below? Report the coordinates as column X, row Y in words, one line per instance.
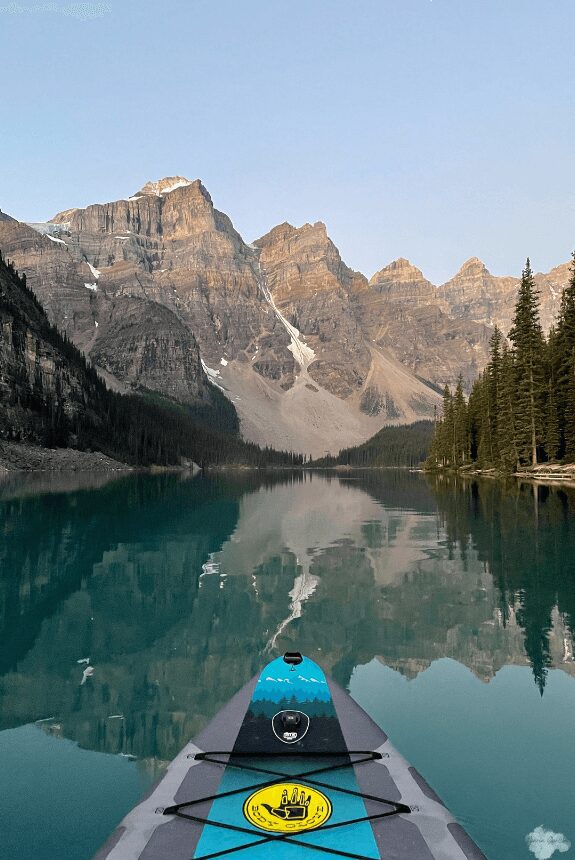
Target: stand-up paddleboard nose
column 293, row 797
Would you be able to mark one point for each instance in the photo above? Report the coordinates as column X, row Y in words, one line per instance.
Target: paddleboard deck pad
column 290, row 768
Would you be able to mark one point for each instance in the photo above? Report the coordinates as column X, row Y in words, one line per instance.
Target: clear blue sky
column 431, row 129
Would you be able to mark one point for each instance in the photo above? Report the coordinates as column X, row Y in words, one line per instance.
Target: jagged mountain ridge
column 442, row 331
column 170, row 250
column 402, row 311
column 162, row 292
column 475, row 294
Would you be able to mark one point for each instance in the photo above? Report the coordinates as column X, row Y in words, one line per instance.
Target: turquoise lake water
column 446, row 608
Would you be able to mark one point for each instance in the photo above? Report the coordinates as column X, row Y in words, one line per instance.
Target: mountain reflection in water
column 177, row 590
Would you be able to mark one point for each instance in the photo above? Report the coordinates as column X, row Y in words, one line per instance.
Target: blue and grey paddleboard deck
column 290, row 768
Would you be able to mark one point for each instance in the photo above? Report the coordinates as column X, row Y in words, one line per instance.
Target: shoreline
column 22, row 458
column 545, row 473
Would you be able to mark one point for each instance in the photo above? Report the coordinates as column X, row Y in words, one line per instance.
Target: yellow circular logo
column 287, row 807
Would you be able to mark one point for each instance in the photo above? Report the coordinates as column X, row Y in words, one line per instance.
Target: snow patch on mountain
column 212, row 375
column 303, row 354
column 165, row 186
column 181, row 184
column 50, row 229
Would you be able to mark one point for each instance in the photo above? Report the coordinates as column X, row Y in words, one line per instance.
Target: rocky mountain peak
column 308, row 253
column 166, row 185
column 286, row 232
column 473, row 266
column 399, row 271
column 64, row 217
column 402, row 263
column 151, row 196
column 472, row 277
column 279, row 233
column 318, row 227
column 4, row 217
column 474, row 294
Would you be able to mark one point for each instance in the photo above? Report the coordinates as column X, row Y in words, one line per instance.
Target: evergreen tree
column 508, row 452
column 434, row 454
column 493, row 382
column 485, row 411
column 569, row 411
column 485, row 442
column 528, row 342
column 460, row 426
column 443, row 445
column 552, row 437
column 562, row 357
column 475, row 414
column 449, row 437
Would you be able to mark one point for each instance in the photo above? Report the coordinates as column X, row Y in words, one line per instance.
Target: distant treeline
column 140, row 430
column 521, row 410
column 217, row 412
column 407, row 445
column 144, row 433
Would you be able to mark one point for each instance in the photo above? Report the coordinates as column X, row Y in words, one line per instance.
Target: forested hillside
column 521, row 410
column 50, row 395
column 392, row 446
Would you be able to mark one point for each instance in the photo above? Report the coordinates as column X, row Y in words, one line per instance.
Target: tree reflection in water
column 525, row 535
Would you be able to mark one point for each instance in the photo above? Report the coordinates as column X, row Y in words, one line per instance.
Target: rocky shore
column 556, row 473
column 18, row 456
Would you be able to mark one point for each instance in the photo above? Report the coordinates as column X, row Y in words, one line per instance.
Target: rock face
column 4, row 217
column 53, row 276
column 37, row 380
column 144, row 341
column 312, row 288
column 136, row 341
column 475, row 294
column 441, row 332
column 169, row 245
column 402, row 312
column 551, row 286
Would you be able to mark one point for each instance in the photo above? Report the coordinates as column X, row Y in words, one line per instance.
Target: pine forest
column 521, row 409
